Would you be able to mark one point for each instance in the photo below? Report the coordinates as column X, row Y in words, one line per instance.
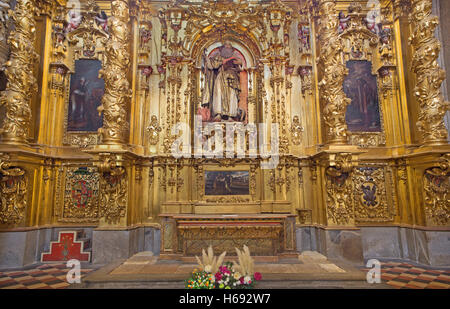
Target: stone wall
column 430, row 248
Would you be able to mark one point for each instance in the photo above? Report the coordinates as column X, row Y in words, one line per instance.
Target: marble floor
column 146, row 263
column 144, row 270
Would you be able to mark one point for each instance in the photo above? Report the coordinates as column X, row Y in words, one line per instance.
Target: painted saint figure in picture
column 225, row 93
column 226, row 183
column 363, row 113
column 86, row 92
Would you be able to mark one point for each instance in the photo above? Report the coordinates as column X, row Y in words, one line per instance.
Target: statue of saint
column 222, row 93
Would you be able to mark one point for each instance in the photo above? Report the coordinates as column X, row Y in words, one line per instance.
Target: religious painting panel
column 86, row 92
column 227, row 183
column 363, row 113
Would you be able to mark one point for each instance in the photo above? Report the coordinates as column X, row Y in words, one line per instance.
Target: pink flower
column 218, row 276
column 241, row 280
column 224, row 270
column 257, row 276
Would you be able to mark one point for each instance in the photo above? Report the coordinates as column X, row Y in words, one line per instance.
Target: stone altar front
column 264, row 234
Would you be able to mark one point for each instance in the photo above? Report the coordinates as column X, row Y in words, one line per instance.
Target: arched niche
column 251, row 54
column 239, row 46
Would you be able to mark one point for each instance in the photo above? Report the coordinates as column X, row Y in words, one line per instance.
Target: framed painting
column 360, row 85
column 86, row 92
column 226, row 183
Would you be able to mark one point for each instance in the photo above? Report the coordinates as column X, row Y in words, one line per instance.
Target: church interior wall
column 361, row 178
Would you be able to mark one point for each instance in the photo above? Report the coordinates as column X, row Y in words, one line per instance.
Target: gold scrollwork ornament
column 437, row 193
column 13, row 193
column 114, row 195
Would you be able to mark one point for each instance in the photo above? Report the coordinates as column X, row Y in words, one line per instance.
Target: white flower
column 247, row 279
column 208, row 268
column 237, row 276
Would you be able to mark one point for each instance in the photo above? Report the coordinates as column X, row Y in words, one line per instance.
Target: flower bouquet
column 214, row 274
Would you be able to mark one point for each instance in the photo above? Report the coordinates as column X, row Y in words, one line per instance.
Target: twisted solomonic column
column 117, row 87
column 429, row 75
column 333, row 73
column 20, row 74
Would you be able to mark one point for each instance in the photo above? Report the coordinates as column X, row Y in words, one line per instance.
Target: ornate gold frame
column 86, row 36
column 357, row 35
column 368, row 42
column 231, row 166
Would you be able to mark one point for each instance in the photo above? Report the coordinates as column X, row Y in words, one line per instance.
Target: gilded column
column 4, row 30
column 59, row 81
column 20, row 74
column 117, row 86
column 333, row 73
column 429, row 75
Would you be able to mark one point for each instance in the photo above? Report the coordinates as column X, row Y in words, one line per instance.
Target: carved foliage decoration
column 371, row 201
column 339, row 189
column 114, row 195
column 219, row 17
column 359, row 33
column 13, row 192
column 85, row 32
column 113, row 189
column 432, row 107
column 81, row 195
column 20, row 74
column 437, row 193
column 339, row 196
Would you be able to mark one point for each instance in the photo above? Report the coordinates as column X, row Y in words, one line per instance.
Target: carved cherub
column 343, row 22
column 371, row 22
column 75, row 19
column 102, row 20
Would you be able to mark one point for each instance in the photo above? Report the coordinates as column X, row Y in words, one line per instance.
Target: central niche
column 225, row 79
column 225, row 91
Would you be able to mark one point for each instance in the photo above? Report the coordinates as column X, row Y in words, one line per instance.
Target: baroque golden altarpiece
column 370, row 180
